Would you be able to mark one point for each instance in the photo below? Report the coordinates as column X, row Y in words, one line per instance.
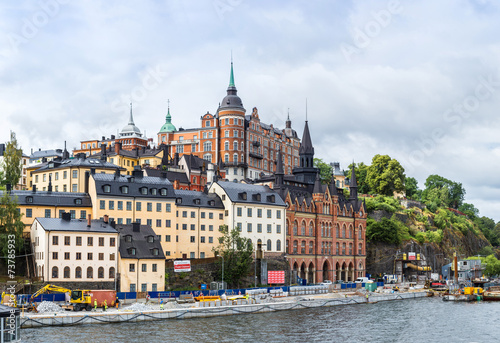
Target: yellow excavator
column 9, row 299
column 79, row 299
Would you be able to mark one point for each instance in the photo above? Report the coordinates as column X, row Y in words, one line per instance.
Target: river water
column 416, row 320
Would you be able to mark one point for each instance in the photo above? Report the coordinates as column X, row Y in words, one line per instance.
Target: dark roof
column 76, row 225
column 306, row 146
column 46, row 153
column 138, row 152
column 198, row 199
column 78, row 162
column 238, row 191
column 134, row 185
column 44, row 198
column 194, row 162
column 171, row 175
column 143, row 248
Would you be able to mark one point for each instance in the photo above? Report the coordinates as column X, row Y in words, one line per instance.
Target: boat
column 491, row 296
column 466, row 294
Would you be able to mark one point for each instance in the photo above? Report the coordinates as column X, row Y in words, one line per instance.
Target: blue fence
column 353, row 285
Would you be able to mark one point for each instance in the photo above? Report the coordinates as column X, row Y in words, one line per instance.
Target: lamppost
column 223, row 287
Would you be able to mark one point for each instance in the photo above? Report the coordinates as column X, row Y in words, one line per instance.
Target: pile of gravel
column 138, row 307
column 48, row 306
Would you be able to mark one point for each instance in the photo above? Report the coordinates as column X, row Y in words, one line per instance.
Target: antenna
column 306, row 109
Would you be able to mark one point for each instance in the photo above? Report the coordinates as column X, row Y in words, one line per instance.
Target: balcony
column 256, row 143
column 255, row 155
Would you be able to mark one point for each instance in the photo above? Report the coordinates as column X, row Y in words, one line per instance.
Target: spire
column 317, row 184
column 168, row 126
column 288, row 122
column 231, row 77
column 353, row 184
column 333, row 187
column 131, row 119
column 279, row 173
column 306, row 147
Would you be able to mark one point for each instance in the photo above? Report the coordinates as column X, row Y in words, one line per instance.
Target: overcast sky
column 419, row 81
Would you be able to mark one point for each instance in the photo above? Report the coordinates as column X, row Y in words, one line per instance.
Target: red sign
column 411, row 256
column 182, row 266
column 276, row 277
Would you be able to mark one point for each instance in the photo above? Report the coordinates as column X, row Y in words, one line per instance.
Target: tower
column 353, row 185
column 306, row 172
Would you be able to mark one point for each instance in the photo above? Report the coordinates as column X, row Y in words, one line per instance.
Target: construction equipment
column 79, row 299
column 9, row 299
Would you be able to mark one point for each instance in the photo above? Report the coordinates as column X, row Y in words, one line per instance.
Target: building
column 246, row 146
column 256, row 211
column 24, row 164
column 339, row 176
column 42, row 156
column 186, row 222
column 74, row 250
column 325, row 230
column 67, row 175
column 141, row 266
column 130, row 138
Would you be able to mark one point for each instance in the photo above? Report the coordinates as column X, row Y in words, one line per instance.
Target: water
column 417, row 320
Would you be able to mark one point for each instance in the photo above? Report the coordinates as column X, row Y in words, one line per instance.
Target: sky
column 418, row 81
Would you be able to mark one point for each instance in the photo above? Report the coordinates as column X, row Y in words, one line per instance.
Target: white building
column 74, row 250
column 258, row 212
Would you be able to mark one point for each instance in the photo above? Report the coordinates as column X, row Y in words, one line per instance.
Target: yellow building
column 186, row 222
column 142, row 262
column 66, row 175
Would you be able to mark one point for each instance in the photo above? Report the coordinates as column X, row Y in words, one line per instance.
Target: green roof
column 168, row 126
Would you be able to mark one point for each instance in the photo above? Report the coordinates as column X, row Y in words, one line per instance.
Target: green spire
column 231, row 78
column 168, row 126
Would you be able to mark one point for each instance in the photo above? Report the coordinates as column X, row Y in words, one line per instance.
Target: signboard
column 182, row 266
column 412, row 256
column 276, row 277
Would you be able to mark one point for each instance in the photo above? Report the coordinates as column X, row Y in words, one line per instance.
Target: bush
column 384, row 231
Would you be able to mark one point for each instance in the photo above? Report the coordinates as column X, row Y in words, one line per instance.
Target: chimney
column 106, row 218
column 87, row 177
column 89, row 220
column 112, row 137
column 117, row 173
column 118, row 147
column 112, row 223
column 136, row 227
column 66, row 216
column 92, row 171
column 163, row 175
column 176, row 184
column 137, row 172
column 176, row 159
column 34, row 188
column 49, row 188
column 103, row 152
column 103, row 138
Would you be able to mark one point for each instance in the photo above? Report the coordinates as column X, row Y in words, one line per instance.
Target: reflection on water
column 418, row 320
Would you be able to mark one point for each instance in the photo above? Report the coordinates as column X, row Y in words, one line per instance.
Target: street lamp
column 223, row 272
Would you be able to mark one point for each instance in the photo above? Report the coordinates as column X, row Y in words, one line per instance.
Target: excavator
column 79, row 299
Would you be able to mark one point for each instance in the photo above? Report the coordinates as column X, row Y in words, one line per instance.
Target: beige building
column 74, row 250
column 142, row 262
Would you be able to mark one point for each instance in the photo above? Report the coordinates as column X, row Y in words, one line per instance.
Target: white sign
column 182, row 266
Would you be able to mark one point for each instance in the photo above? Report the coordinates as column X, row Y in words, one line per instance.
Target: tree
column 237, row 253
column 470, row 210
column 492, row 265
column 385, row 175
column 361, row 171
column 456, row 192
column 384, row 231
column 10, row 225
column 325, row 170
column 411, row 187
column 12, row 167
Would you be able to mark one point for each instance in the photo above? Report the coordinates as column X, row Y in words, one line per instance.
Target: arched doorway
column 338, row 271
column 343, row 275
column 310, row 273
column 303, row 271
column 326, row 271
column 351, row 272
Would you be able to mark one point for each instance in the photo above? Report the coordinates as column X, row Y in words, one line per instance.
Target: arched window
column 350, row 248
column 295, row 246
column 66, row 272
column 78, row 273
column 278, row 245
column 322, row 229
column 90, row 273
column 311, row 247
column 242, row 146
column 100, row 273
column 55, row 272
column 226, row 158
column 350, row 231
column 360, row 249
column 343, row 248
column 269, row 245
column 303, row 228
column 226, row 145
column 337, row 245
column 295, row 228
column 338, row 231
column 287, row 228
column 360, row 232
column 330, row 248
column 311, row 229
column 343, row 231
column 288, row 246
column 235, row 145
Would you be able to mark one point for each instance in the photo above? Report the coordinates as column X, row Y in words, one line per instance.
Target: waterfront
column 418, row 320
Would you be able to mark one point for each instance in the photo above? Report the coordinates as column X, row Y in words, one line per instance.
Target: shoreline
column 291, row 303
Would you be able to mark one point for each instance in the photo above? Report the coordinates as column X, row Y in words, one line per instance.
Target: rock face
column 380, row 256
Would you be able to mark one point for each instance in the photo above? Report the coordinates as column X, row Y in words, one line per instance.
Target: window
column 149, row 206
column 78, row 273
column 101, row 241
column 167, row 238
column 111, row 272
column 112, row 241
column 210, row 215
column 149, row 222
column 102, row 204
column 47, row 213
column 55, row 240
column 132, row 287
column 269, row 245
column 259, row 228
column 67, row 240
column 144, row 267
column 278, row 245
column 78, row 255
column 269, row 228
column 90, row 241
column 100, row 273
column 106, row 188
column 137, row 206
column 66, row 255
column 269, row 213
column 90, row 273
column 167, row 223
column 278, row 214
column 75, row 174
column 101, row 256
column 278, row 228
column 193, row 214
column 249, row 212
column 124, row 189
column 210, row 228
column 89, row 256
column 207, row 146
column 202, row 227
column 210, row 239
column 168, row 207
column 131, row 267
column 29, row 213
column 259, row 213
column 192, row 239
column 129, row 205
column 54, row 255
column 184, row 226
column 184, row 214
column 249, row 227
column 66, row 272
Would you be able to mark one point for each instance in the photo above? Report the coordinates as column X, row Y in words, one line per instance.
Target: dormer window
column 106, row 188
column 131, row 251
column 151, row 239
column 155, row 251
column 271, row 198
column 163, row 191
column 197, row 201
column 128, row 238
column 29, row 199
column 211, row 202
column 242, row 195
column 124, row 189
column 78, row 201
column 256, row 197
column 178, row 201
column 143, row 190
column 153, row 191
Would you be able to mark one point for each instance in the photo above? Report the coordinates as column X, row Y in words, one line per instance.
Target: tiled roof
column 78, row 162
column 44, row 198
column 143, row 248
column 198, row 199
column 134, row 185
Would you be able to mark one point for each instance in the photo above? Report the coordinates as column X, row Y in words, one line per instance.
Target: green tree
column 12, row 162
column 385, row 175
column 456, row 192
column 237, row 252
column 361, row 171
column 411, row 188
column 470, row 210
column 325, row 170
column 10, row 225
column 492, row 265
column 384, row 231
